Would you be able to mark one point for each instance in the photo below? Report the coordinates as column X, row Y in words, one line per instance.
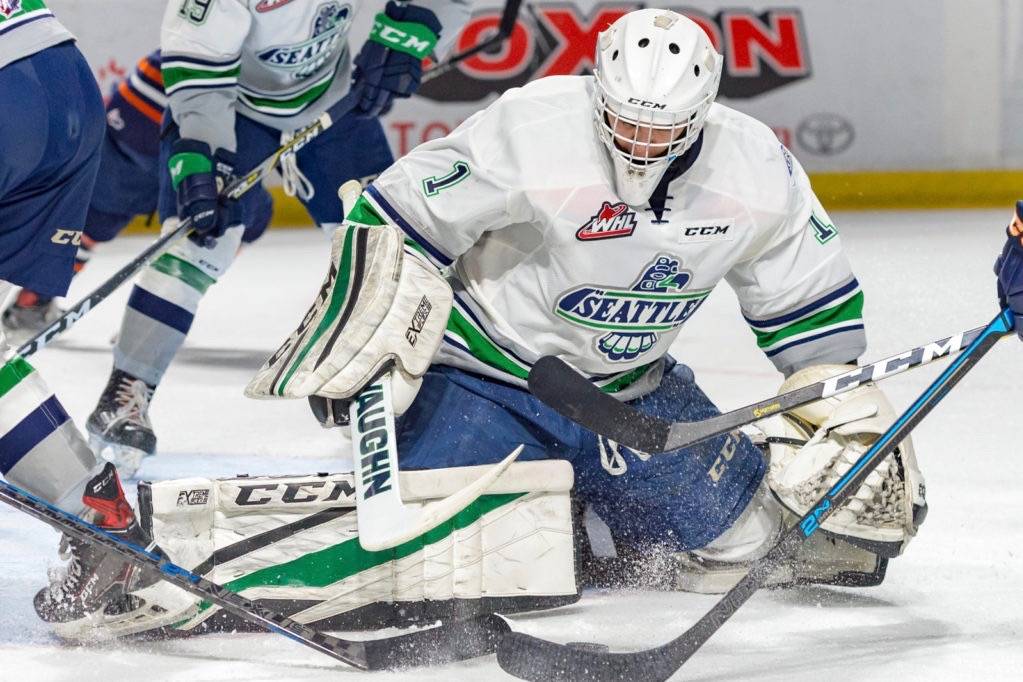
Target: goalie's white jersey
column 548, row 260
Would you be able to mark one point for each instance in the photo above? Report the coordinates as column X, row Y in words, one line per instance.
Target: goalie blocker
column 290, row 543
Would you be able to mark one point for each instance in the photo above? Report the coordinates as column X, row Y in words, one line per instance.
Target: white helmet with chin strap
column 656, row 75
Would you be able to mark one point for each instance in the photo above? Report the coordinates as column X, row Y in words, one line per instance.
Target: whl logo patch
column 631, row 319
column 610, row 222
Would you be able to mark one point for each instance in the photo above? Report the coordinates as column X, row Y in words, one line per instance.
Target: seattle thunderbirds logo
column 632, row 318
column 330, row 25
column 612, row 220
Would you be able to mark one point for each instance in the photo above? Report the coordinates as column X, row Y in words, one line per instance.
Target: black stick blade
column 452, row 641
column 573, row 396
column 538, row 660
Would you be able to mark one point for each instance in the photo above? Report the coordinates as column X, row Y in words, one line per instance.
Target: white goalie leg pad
column 813, row 446
column 380, row 301
column 294, row 540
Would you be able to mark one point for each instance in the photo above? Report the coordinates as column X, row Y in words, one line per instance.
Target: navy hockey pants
column 51, row 126
column 682, row 500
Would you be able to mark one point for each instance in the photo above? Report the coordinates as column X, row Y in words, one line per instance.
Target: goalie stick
column 573, row 396
column 445, row 643
column 531, row 658
column 241, row 185
column 385, row 521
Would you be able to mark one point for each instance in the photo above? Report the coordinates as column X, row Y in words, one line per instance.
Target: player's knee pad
column 185, row 271
column 380, row 302
column 293, row 542
column 813, row 446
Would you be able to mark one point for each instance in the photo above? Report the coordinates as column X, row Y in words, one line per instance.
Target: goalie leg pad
column 380, row 301
column 291, row 544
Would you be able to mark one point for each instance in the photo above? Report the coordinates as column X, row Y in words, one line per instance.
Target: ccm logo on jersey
column 704, row 233
column 65, row 237
column 610, row 222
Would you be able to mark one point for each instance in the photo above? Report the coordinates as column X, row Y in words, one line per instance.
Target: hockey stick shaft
column 352, row 653
column 541, row 661
column 235, row 190
column 575, row 397
column 505, row 26
column 445, row 643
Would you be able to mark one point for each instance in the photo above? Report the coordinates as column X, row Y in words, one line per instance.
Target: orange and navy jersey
column 135, row 108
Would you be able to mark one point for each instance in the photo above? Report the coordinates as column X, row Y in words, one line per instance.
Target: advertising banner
column 849, row 87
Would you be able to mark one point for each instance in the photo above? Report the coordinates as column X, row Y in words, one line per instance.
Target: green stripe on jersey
column 364, row 214
column 482, row 348
column 287, row 104
column 12, row 373
column 847, row 311
column 174, row 76
column 625, row 380
column 184, row 271
column 335, row 563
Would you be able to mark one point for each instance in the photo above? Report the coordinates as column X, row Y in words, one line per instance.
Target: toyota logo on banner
column 825, row 134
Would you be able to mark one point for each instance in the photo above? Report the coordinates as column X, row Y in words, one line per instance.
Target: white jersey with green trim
column 548, row 260
column 279, row 62
column 27, row 27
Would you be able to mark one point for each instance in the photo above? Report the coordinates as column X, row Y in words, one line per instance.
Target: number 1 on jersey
column 434, row 185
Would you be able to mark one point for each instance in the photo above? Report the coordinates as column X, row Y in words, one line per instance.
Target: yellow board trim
column 865, row 191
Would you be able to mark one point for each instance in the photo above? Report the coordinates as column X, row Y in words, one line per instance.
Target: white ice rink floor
column 950, row 609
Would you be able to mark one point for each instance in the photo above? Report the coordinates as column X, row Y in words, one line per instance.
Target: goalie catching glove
column 811, row 447
column 381, row 302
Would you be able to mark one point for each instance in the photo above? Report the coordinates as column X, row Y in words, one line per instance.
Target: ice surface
column 949, row 610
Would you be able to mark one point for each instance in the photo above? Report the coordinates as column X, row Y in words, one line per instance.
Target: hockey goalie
column 588, row 218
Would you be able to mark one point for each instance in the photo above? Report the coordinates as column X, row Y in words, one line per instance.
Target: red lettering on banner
column 514, row 55
column 403, row 128
column 750, row 41
column 577, row 39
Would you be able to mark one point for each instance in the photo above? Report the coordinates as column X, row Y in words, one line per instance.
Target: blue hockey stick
column 531, row 658
column 447, row 642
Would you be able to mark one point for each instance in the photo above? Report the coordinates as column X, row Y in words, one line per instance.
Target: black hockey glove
column 1009, row 268
column 199, row 178
column 390, row 64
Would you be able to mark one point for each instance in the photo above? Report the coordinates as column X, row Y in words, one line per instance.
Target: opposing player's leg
column 127, row 185
column 44, row 189
column 353, row 148
column 162, row 305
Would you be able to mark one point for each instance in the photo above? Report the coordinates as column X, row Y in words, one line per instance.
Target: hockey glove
column 199, row 178
column 390, row 64
column 1009, row 268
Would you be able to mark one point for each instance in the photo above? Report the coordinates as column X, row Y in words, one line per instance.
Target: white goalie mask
column 656, row 76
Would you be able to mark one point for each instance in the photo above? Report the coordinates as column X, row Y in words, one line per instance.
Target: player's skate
column 822, row 560
column 95, row 583
column 119, row 428
column 26, row 317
